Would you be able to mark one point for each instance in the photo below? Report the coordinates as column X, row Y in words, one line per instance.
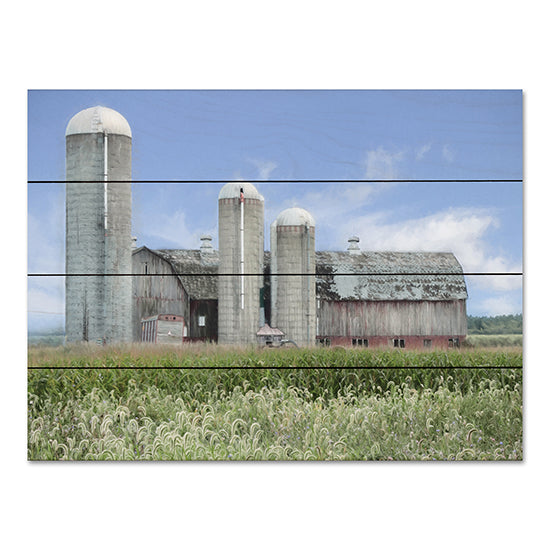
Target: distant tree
column 500, row 324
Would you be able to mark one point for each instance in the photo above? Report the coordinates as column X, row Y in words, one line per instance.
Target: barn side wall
column 361, row 319
column 154, row 295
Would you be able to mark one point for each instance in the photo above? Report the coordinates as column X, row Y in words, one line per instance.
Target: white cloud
column 380, row 164
column 502, row 305
column 46, row 254
column 46, row 304
column 328, row 204
column 46, row 300
column 177, row 233
column 448, row 153
column 421, row 152
column 46, row 250
column 265, row 167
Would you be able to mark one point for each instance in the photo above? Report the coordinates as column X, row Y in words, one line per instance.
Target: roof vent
column 134, row 243
column 353, row 247
column 206, row 244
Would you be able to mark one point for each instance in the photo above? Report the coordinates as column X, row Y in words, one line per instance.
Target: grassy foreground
column 207, row 403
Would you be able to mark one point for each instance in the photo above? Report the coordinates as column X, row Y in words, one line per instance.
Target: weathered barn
column 399, row 299
column 159, row 288
column 374, row 299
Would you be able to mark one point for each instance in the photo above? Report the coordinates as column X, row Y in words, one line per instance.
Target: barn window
column 202, row 320
column 398, row 343
column 324, row 341
column 359, row 342
column 145, row 268
column 427, row 343
column 454, row 342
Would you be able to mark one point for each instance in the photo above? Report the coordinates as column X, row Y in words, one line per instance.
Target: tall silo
column 241, row 244
column 98, row 227
column 293, row 275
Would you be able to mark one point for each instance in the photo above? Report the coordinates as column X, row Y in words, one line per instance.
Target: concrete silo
column 241, row 244
column 293, row 257
column 98, row 227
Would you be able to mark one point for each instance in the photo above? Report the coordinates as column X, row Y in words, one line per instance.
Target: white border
column 424, row 44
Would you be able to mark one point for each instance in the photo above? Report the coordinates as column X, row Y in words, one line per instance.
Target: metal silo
column 98, row 227
column 241, row 244
column 293, row 258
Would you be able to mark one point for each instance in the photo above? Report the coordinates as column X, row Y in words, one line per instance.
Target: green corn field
column 209, row 403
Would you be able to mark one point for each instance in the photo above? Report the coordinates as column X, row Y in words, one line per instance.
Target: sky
column 311, row 135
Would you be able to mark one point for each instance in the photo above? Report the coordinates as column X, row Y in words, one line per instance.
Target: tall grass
column 274, row 405
column 278, row 424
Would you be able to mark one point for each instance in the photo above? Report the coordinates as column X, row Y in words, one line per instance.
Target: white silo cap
column 233, row 191
column 295, row 216
column 98, row 120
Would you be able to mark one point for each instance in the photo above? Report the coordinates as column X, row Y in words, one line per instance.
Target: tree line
column 500, row 324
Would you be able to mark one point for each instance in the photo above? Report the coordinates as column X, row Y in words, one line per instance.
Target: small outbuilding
column 270, row 337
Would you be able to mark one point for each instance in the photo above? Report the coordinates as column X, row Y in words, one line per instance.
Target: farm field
column 210, row 403
column 494, row 340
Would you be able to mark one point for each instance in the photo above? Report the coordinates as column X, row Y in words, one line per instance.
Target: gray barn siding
column 153, row 295
column 388, row 318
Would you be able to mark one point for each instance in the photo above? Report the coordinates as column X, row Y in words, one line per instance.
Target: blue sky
column 344, row 135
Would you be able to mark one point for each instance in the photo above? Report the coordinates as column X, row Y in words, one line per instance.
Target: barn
column 366, row 299
column 160, row 288
column 396, row 299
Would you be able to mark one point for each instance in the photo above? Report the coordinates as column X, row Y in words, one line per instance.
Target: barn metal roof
column 390, row 276
column 372, row 276
column 192, row 261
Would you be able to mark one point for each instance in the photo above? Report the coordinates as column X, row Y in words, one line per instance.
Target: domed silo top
column 98, row 120
column 233, row 191
column 295, row 216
